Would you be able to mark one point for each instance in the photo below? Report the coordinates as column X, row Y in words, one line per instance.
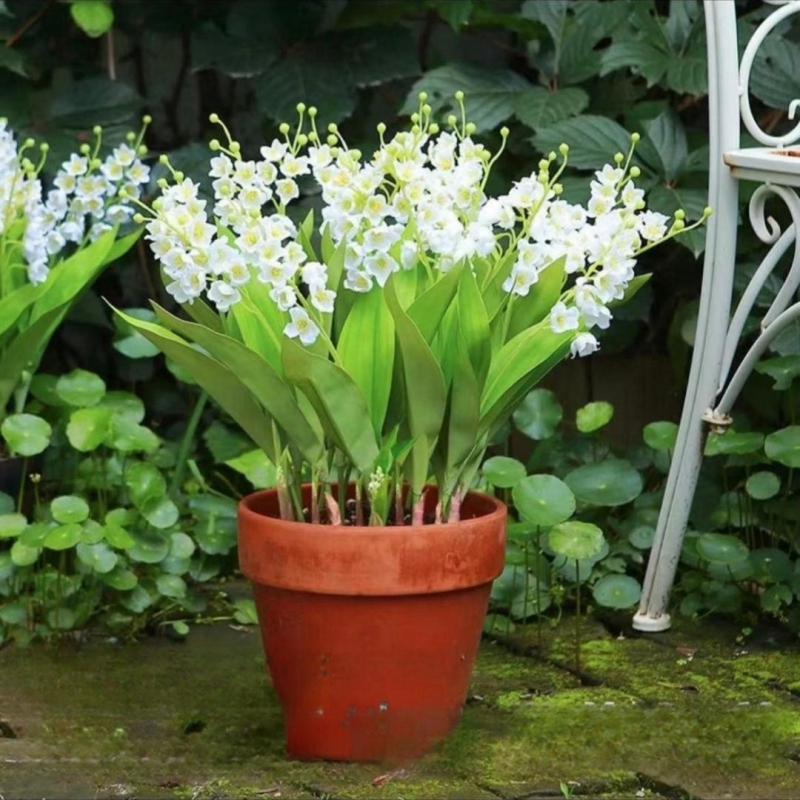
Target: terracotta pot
column 370, row 634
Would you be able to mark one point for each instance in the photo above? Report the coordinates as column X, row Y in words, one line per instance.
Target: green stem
column 21, row 496
column 186, row 443
column 578, row 619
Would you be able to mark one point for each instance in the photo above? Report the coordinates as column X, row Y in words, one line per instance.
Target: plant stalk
column 186, row 443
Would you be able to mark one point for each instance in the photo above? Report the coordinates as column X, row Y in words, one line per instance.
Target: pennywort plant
column 388, row 344
column 54, row 240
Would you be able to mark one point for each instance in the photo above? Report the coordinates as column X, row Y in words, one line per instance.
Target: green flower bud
column 544, row 164
column 147, row 119
column 284, row 128
column 423, row 96
column 557, row 188
column 158, row 204
column 312, row 137
column 97, row 130
column 415, row 118
column 137, row 217
column 551, row 156
column 214, row 145
column 85, row 149
column 235, row 148
column 433, row 129
column 618, row 158
column 426, row 109
column 213, row 118
column 301, row 108
column 179, row 176
column 452, row 120
column 163, row 159
column 130, row 136
column 302, row 140
column 312, row 111
column 415, row 129
column 470, row 128
column 635, row 172
column 332, row 140
column 123, row 193
column 635, row 137
column 563, row 148
column 459, row 95
column 707, row 211
column 381, row 128
column 504, row 132
column 333, row 128
column 162, row 183
column 142, row 150
column 680, row 214
column 678, row 225
column 95, row 163
column 28, row 143
column 44, row 147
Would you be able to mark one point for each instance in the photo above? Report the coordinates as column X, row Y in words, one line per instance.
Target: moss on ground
column 676, row 717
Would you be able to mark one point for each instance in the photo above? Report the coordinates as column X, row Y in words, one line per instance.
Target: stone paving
column 688, row 714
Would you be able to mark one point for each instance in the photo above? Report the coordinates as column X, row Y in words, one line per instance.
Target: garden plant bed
column 691, row 713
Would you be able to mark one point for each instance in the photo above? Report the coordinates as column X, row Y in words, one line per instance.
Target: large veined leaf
column 366, row 347
column 257, row 375
column 337, row 400
column 538, row 107
column 642, row 57
column 425, row 391
column 490, row 92
column 260, row 326
column 668, row 136
column 221, row 384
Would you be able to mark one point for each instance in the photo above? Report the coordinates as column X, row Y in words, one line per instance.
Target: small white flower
column 287, row 190
column 322, row 299
column 284, row 297
column 357, row 281
column 652, row 225
column 314, row 274
column 301, row 327
column 76, row 166
column 381, row 266
column 520, row 280
column 409, row 255
column 274, row 152
column 584, row 344
column 223, row 296
column 564, row 319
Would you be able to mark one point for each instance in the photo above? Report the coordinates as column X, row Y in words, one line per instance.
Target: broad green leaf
column 256, row 467
column 137, row 600
column 503, row 472
column 144, row 482
column 763, row 485
column 61, row 619
column 783, row 446
column 617, row 591
column 538, row 107
column 594, row 416
column 733, row 442
column 543, row 500
column 245, row 611
column 473, row 327
column 660, row 435
column 218, row 381
column 7, row 503
column 81, row 388
column 366, row 347
column 576, row 540
column 641, row 57
column 63, row 537
column 260, row 324
column 117, row 536
column 69, row 508
column 668, row 136
column 258, row 376
column 129, row 341
column 152, row 546
column 26, row 434
column 93, row 17
column 123, row 580
column 181, row 545
column 35, row 534
column 98, row 556
column 641, row 537
column 171, row 586
column 613, row 482
column 123, row 404
column 490, row 92
column 721, row 548
column 12, row 525
column 339, row 404
column 427, row 311
column 771, row 565
column 539, row 415
column 160, row 512
column 783, row 370
column 88, row 428
column 22, row 555
column 127, row 436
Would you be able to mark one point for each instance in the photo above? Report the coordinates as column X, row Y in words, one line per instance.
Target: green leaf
column 538, row 107
column 22, row 555
column 88, row 428
column 97, row 556
column 81, row 388
column 94, row 101
column 118, row 537
column 762, row 485
column 124, row 404
column 171, row 586
column 245, row 611
column 668, row 199
column 61, row 619
column 256, row 467
column 129, row 341
column 366, row 348
column 138, row 600
column 771, row 565
column 613, row 482
column 721, row 548
column 93, row 17
column 668, row 136
column 594, row 416
column 160, row 512
column 641, row 537
column 63, row 537
column 503, row 472
column 454, row 12
column 14, row 61
column 660, row 435
column 69, row 508
column 688, row 72
column 12, row 525
column 734, row 443
column 151, row 547
column 539, row 415
column 127, row 436
column 123, row 580
column 490, row 93
column 592, row 140
column 26, row 434
column 6, row 503
column 543, row 500
column 617, row 591
column 783, row 446
column 181, row 545
column 783, row 370
column 576, row 540
column 641, row 57
column 144, row 482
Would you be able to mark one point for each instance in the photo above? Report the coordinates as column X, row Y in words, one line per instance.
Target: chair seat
column 779, row 165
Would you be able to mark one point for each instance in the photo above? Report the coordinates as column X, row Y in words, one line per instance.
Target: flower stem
column 186, row 443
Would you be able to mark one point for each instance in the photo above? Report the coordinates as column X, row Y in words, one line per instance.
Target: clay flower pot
column 370, row 634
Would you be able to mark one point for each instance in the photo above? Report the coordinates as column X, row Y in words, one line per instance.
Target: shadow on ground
column 688, row 714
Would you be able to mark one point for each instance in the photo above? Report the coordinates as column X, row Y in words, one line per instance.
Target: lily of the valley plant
column 55, row 239
column 388, row 344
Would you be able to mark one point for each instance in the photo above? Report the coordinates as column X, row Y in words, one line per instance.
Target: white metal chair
column 713, row 385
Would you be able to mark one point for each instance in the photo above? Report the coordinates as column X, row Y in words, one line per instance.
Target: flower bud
column 452, row 120
column 415, row 118
column 459, row 95
column 415, row 129
column 137, row 217
column 544, row 164
column 28, row 143
column 680, row 214
column 214, row 145
column 707, row 211
column 213, row 118
column 97, row 130
column 333, row 127
column 85, row 149
column 470, row 128
column 551, row 156
column 158, row 204
column 147, row 119
column 44, row 147
column 381, row 128
column 130, row 136
column 95, row 163
column 235, row 148
column 332, row 140
column 678, row 225
column 635, row 138
column 426, row 109
column 301, row 107
column 142, row 150
column 563, row 148
column 504, row 132
column 284, row 128
column 312, row 111
column 162, row 183
column 163, row 159
column 179, row 176
column 635, row 172
column 423, row 96
column 557, row 189
column 433, row 129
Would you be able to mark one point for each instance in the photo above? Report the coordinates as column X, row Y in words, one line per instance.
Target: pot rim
column 247, row 512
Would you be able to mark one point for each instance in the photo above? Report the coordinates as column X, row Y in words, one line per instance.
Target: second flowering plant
column 386, row 343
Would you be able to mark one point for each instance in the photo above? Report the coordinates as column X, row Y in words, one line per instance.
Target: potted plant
column 373, row 357
column 53, row 244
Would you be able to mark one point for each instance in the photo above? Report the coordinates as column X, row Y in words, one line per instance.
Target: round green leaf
column 576, row 539
column 660, row 435
column 733, row 443
column 63, row 537
column 12, row 525
column 503, row 472
column 69, row 508
column 256, row 467
column 763, row 485
column 180, row 627
column 641, row 537
column 181, row 545
column 783, row 446
column 721, row 548
column 22, row 555
column 117, row 536
column 516, row 592
column 160, row 512
column 151, row 547
column 144, row 482
column 605, row 483
column 93, row 17
column 88, row 428
column 539, row 414
column 7, row 504
column 617, row 591
column 129, row 341
column 81, row 388
column 26, row 434
column 121, row 517
column 771, row 565
column 124, row 404
column 100, row 557
column 543, row 500
column 594, row 416
column 171, row 586
column 6, row 566
column 93, row 532
column 137, row 600
column 61, row 619
column 35, row 534
column 43, row 387
column 123, row 580
column 130, row 437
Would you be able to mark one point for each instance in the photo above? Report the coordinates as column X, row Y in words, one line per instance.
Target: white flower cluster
column 88, row 197
column 419, row 201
